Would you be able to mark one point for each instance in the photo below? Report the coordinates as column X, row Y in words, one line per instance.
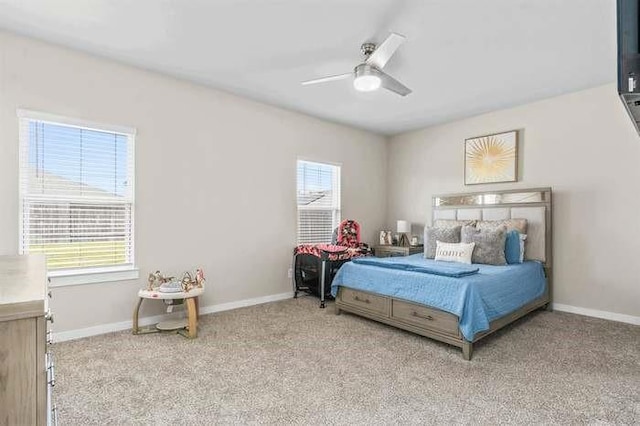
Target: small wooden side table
column 190, row 299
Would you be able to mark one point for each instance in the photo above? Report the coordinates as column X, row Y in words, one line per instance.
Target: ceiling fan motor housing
column 367, row 48
column 365, row 69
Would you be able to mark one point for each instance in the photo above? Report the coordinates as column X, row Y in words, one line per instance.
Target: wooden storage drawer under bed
column 366, row 301
column 424, row 316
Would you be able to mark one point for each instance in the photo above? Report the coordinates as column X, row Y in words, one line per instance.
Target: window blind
column 77, row 194
column 318, row 196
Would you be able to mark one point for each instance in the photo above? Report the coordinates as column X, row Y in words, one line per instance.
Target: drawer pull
column 49, row 317
column 52, row 376
column 51, row 370
column 426, row 317
column 357, row 299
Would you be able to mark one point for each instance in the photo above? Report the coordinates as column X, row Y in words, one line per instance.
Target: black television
column 628, row 12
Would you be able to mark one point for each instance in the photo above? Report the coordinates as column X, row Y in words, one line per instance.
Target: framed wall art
column 491, row 158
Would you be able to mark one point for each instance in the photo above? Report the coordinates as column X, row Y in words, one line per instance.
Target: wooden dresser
column 26, row 363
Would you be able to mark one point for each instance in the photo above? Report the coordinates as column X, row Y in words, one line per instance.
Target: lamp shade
column 404, row 226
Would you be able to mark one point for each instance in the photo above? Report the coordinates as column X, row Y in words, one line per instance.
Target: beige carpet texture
column 292, row 363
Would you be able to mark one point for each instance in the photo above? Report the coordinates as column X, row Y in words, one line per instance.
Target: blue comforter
column 476, row 299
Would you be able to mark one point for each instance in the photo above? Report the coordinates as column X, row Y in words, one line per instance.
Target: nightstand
column 393, row 251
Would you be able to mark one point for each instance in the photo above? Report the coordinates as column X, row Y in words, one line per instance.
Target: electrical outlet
column 290, row 273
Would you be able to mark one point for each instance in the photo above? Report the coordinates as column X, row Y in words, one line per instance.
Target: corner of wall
column 388, row 139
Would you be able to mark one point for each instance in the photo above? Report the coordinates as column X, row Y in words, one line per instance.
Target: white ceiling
column 462, row 57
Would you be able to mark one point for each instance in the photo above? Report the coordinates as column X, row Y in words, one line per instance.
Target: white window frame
column 337, row 188
column 61, row 278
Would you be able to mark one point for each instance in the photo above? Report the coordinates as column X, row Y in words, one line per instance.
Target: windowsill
column 92, row 276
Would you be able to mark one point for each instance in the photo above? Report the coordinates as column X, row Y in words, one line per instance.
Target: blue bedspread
column 476, row 299
column 416, row 264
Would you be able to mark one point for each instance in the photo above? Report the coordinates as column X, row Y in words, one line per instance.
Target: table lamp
column 403, row 229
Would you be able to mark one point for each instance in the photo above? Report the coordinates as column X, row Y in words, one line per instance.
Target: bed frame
column 531, row 204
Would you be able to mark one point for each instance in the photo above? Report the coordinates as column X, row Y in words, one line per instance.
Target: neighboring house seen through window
column 77, row 194
column 318, row 190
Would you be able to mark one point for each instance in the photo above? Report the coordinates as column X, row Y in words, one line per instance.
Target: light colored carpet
column 290, row 362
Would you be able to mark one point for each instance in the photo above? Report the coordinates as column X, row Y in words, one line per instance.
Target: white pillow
column 454, row 252
column 523, row 238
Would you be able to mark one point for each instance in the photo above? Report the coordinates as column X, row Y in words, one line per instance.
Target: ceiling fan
column 368, row 76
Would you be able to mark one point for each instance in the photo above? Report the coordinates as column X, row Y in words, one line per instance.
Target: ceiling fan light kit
column 365, row 79
column 368, row 76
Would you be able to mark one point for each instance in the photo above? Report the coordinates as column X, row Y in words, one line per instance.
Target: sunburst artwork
column 491, row 159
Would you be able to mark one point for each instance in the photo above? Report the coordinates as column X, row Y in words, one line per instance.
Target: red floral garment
column 349, row 245
column 332, row 252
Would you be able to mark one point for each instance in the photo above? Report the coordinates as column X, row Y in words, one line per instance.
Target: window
column 77, row 194
column 318, row 201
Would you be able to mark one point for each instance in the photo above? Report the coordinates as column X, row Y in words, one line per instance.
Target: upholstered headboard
column 531, row 204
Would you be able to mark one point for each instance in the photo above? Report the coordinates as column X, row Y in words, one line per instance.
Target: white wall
column 584, row 146
column 215, row 174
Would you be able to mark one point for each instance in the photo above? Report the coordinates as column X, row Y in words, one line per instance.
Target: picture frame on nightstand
column 386, row 238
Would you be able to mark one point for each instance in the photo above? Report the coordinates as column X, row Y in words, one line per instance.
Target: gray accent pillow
column 489, row 247
column 444, row 235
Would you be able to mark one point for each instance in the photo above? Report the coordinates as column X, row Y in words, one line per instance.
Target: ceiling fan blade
column 385, row 51
column 394, row 85
column 326, row 79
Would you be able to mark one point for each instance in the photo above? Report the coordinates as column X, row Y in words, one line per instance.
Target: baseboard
column 105, row 328
column 244, row 303
column 612, row 316
column 125, row 325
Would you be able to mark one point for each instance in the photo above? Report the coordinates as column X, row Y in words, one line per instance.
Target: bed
column 450, row 302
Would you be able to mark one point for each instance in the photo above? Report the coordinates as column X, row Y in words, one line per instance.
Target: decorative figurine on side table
column 156, row 279
column 199, row 277
column 151, row 282
column 187, row 282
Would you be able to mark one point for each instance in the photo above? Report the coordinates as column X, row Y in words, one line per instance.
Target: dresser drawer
column 364, row 300
column 423, row 316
